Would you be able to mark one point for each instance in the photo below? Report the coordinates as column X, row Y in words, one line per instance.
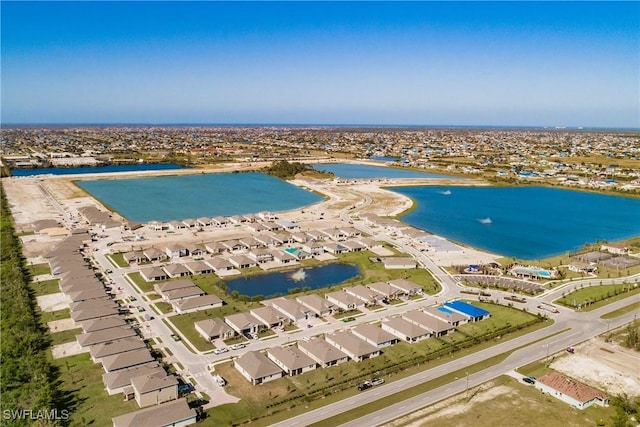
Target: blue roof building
column 474, row 313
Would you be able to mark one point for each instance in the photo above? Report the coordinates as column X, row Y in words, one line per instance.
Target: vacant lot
column 504, row 402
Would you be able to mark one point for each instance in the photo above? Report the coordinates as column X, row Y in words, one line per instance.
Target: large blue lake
column 166, row 198
column 280, row 283
column 523, row 222
column 354, row 171
column 96, row 169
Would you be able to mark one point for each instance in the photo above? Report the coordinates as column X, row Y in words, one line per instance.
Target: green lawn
column 64, row 336
column 39, row 269
column 46, row 287
column 139, row 281
column 594, row 297
column 89, row 404
column 48, row 316
column 118, row 260
column 164, row 307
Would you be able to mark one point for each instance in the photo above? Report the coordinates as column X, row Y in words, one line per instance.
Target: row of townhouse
column 360, row 343
column 129, row 366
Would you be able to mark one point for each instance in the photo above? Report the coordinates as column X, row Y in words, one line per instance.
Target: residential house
column 170, row 414
column 399, row 262
column 197, row 303
column 176, row 270
column 356, row 348
column 451, row 317
column 322, row 352
column 364, row 294
column 570, row 391
column 154, row 389
column 374, row 335
column 432, row 324
column 126, row 360
column 269, row 316
column 213, row 329
column 344, row 300
column 243, row 323
column 153, row 274
column 316, row 304
column 257, row 368
column 291, row 360
column 472, row 312
column 404, row 285
column 405, row 330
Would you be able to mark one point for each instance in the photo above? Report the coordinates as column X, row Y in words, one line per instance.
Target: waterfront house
column 243, row 323
column 199, row 267
column 291, row 360
column 290, row 308
column 176, row 225
column 219, row 264
column 354, row 347
column 570, row 391
column 257, row 368
column 269, row 316
column 242, row 261
column 203, row 221
column 173, row 285
column 405, row 330
column 322, row 352
column 334, row 248
column 213, row 329
column 176, row 413
column 237, row 219
column 615, row 248
column 374, row 335
column 283, row 257
column 314, row 248
column 344, row 300
column 190, row 223
column 316, row 304
column 219, row 221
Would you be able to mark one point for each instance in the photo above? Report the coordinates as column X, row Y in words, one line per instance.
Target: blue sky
column 450, row 63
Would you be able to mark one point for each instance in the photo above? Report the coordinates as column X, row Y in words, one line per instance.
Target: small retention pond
column 280, row 283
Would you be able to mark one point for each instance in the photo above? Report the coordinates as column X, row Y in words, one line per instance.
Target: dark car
column 529, row 380
column 365, row 385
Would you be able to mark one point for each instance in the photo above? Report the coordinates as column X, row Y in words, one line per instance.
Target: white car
column 377, row 381
column 220, row 350
column 237, row 346
column 219, row 380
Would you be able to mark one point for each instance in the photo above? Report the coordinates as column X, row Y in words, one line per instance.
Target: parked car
column 219, row 380
column 220, row 350
column 237, row 346
column 377, row 381
column 363, row 386
column 571, row 350
column 348, row 319
column 529, row 380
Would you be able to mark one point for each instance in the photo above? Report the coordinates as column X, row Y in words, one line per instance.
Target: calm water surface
column 280, row 283
column 96, row 169
column 346, row 170
column 166, row 198
column 523, row 222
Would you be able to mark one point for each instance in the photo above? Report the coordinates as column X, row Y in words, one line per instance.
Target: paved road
column 583, row 326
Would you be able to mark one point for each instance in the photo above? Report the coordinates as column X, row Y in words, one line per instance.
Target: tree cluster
column 285, row 170
column 27, row 379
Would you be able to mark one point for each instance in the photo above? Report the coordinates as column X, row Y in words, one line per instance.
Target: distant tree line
column 27, row 381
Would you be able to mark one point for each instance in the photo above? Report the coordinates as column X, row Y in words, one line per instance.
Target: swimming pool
column 532, row 272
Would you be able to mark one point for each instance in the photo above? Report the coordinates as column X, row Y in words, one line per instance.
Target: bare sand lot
column 606, row 366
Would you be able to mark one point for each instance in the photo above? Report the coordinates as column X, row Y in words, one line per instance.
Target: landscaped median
column 288, row 396
column 592, row 297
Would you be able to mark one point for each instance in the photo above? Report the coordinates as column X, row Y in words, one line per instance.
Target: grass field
column 164, row 307
column 48, row 316
column 64, row 336
column 118, row 260
column 46, row 287
column 39, row 269
column 139, row 281
column 594, row 297
column 517, row 405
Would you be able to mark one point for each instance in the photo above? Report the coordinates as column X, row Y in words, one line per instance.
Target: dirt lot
column 606, row 366
column 503, row 402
